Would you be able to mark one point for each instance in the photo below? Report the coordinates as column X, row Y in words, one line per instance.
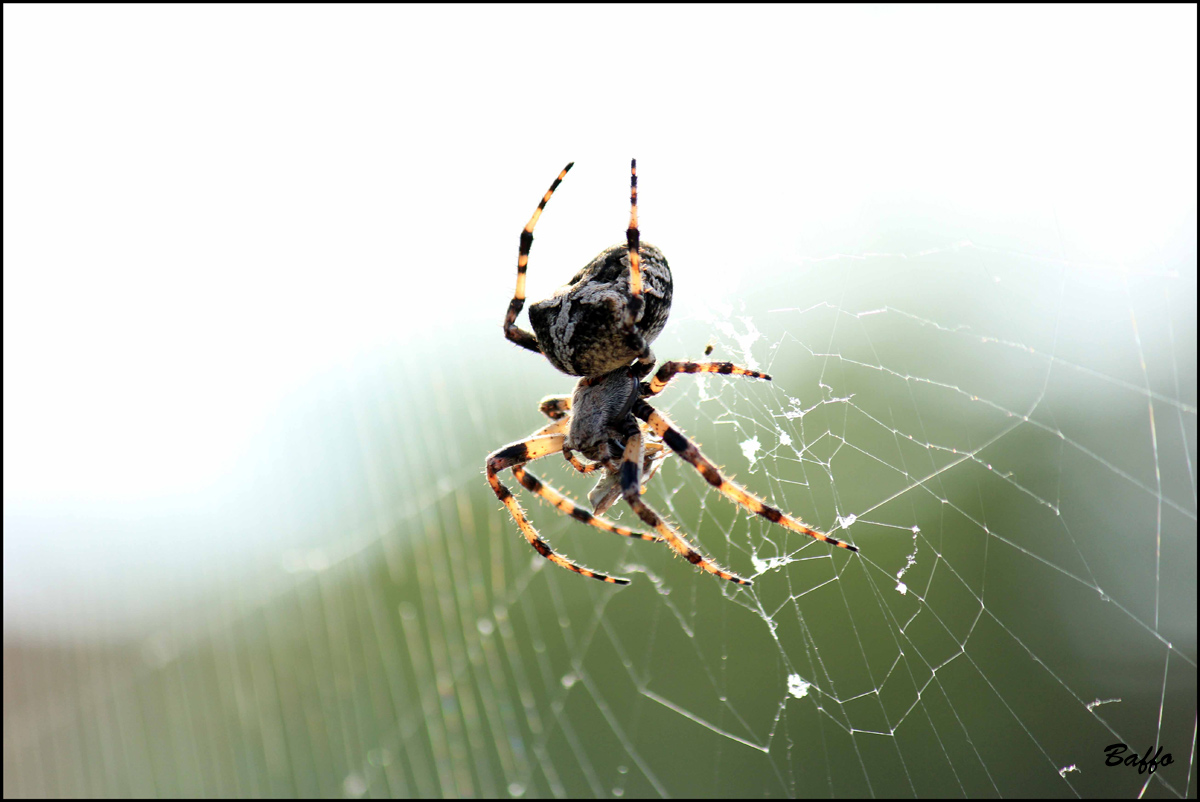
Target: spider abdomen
column 581, row 327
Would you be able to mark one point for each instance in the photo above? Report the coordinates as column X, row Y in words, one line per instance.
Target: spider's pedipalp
column 555, row 407
column 670, row 369
column 511, row 331
column 578, row 464
column 631, row 480
column 688, row 451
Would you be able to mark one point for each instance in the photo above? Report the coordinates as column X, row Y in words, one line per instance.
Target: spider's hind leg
column 518, row 335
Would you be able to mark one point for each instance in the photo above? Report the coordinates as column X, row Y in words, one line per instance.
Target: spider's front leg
column 631, row 487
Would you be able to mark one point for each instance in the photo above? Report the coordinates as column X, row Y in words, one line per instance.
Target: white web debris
column 744, row 339
column 798, row 687
column 909, row 562
column 750, row 449
column 1096, row 703
column 761, row 566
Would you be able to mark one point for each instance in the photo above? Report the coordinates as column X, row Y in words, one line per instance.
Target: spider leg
column 633, row 241
column 686, row 449
column 519, row 336
column 517, row 454
column 670, row 369
column 569, row 507
column 553, row 427
column 631, row 470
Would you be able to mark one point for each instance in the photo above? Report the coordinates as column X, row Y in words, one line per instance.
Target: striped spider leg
column 518, row 335
column 544, row 442
column 631, row 486
column 687, row 450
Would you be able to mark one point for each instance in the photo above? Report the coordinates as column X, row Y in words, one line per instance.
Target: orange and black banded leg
column 633, row 239
column 569, row 507
column 521, row 337
column 687, row 450
column 671, row 369
column 631, row 481
column 516, row 454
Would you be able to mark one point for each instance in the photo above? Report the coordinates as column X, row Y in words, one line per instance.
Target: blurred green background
column 253, row 366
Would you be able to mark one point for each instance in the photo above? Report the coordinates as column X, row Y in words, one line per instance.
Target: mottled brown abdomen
column 580, row 328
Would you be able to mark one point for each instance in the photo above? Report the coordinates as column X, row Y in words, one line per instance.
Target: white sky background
column 206, row 207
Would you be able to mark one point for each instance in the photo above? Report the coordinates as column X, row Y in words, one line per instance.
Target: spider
column 599, row 327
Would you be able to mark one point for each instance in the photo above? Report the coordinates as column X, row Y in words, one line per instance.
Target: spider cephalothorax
column 599, row 326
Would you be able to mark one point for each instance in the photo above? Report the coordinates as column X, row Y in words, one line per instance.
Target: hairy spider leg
column 519, row 336
column 631, row 481
column 553, row 427
column 686, row 449
column 671, row 369
column 516, row 455
column 569, row 507
column 633, row 239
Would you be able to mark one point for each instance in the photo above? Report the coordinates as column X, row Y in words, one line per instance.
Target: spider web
column 1010, row 440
